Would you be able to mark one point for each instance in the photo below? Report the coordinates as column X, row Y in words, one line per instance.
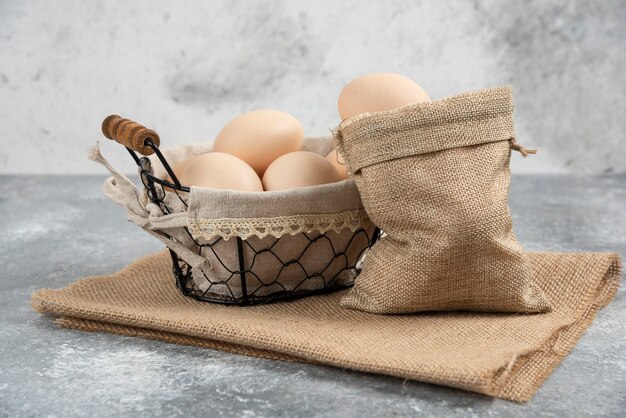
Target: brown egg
column 259, row 137
column 335, row 159
column 217, row 170
column 377, row 92
column 299, row 169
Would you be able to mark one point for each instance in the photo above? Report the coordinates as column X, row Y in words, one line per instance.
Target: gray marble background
column 185, row 69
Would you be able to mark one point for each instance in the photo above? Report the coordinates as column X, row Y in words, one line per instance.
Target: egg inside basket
column 246, row 248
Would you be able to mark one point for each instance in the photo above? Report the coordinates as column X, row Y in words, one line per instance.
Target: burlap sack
column 435, row 178
column 295, row 240
column 502, row 355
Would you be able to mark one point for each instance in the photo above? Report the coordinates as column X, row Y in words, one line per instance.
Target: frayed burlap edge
column 173, row 338
column 515, row 384
column 517, row 381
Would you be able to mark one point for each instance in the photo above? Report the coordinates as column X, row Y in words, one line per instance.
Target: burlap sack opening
column 435, row 178
column 324, row 228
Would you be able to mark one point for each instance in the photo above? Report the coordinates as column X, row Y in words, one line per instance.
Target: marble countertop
column 56, row 229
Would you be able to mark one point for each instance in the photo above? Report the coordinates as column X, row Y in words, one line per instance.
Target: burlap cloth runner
column 503, row 355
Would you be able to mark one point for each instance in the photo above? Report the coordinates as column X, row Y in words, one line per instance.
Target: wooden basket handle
column 130, row 134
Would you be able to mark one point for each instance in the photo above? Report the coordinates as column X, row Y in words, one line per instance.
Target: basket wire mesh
column 251, row 289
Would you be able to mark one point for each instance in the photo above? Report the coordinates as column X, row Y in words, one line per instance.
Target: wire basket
column 246, row 271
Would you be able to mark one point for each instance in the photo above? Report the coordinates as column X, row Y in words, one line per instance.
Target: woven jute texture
column 435, row 178
column 498, row 354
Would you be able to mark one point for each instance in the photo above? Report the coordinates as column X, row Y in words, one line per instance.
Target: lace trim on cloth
column 277, row 226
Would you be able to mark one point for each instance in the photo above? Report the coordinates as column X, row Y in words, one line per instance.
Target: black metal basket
column 250, row 290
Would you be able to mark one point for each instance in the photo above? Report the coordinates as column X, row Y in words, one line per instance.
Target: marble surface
column 57, row 229
column 185, row 70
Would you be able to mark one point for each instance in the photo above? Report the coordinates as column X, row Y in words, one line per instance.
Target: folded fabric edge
column 427, row 127
column 173, row 338
column 520, row 379
column 42, row 303
column 517, row 381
